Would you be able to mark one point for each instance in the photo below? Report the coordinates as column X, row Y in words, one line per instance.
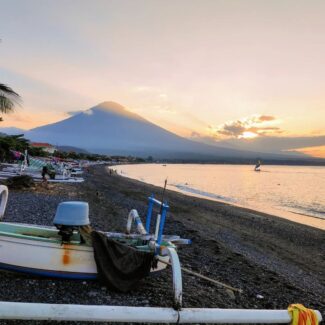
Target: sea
column 296, row 193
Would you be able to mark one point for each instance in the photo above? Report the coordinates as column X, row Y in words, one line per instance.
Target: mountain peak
column 111, row 106
column 114, row 108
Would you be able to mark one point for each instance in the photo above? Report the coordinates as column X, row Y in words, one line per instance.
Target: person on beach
column 44, row 173
column 44, row 179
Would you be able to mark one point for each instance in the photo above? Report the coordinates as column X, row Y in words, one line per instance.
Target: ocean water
column 293, row 192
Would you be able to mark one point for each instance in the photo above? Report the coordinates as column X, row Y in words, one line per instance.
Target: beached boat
column 38, row 177
column 76, row 172
column 62, row 173
column 28, row 165
column 62, row 252
column 44, row 251
column 39, row 251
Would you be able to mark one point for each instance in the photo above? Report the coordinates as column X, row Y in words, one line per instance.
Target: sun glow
column 317, row 152
column 248, row 135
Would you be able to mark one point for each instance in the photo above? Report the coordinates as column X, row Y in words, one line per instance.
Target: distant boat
column 258, row 166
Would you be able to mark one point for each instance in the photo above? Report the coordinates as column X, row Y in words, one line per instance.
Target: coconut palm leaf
column 8, row 99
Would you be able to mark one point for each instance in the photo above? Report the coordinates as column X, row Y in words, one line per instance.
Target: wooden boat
column 38, row 177
column 42, row 251
column 39, row 250
column 64, row 173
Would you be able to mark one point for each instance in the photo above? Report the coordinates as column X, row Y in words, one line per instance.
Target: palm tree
column 8, row 99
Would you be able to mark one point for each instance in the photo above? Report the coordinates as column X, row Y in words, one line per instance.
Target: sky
column 205, row 69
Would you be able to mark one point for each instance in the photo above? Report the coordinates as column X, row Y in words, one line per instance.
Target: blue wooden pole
column 149, row 213
column 162, row 222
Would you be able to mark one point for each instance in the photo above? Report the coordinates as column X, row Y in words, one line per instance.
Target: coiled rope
column 300, row 315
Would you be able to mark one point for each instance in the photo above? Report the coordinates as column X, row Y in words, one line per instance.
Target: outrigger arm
column 118, row 314
column 3, row 199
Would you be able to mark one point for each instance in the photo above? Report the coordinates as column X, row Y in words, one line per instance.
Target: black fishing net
column 119, row 266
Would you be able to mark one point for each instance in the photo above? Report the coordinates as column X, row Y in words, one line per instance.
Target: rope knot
column 300, row 315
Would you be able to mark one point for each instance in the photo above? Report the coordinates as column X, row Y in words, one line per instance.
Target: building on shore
column 44, row 146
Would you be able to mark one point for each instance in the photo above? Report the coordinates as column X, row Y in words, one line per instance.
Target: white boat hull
column 50, row 259
column 47, row 259
column 38, row 177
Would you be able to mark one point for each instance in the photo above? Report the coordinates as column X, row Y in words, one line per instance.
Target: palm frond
column 6, row 105
column 8, row 99
column 7, row 90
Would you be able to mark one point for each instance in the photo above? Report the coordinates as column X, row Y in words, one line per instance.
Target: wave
column 193, row 190
column 306, row 211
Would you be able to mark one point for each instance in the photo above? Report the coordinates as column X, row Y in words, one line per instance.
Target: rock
column 20, row 182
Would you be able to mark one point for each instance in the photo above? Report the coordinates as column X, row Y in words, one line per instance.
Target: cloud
column 310, row 145
column 88, row 112
column 73, row 113
column 195, row 134
column 252, row 126
column 316, row 151
column 263, row 118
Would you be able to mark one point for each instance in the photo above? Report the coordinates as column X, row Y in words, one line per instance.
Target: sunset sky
column 215, row 69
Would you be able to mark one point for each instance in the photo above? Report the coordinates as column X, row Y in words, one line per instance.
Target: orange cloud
column 317, row 152
column 263, row 118
column 28, row 120
column 248, row 127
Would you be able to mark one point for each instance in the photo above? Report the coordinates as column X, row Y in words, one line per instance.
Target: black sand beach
column 274, row 261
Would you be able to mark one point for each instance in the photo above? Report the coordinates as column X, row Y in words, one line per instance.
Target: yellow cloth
column 301, row 315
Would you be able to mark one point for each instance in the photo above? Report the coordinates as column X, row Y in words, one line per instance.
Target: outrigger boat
column 43, row 251
column 62, row 252
column 59, row 173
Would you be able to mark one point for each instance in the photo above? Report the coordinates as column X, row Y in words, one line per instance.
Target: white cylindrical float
column 236, row 316
column 35, row 311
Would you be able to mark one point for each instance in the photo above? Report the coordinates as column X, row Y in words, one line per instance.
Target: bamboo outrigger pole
column 118, row 314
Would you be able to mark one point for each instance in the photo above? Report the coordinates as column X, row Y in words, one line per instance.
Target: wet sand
column 274, row 261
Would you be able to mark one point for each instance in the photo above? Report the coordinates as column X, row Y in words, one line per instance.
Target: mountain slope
column 12, row 131
column 109, row 128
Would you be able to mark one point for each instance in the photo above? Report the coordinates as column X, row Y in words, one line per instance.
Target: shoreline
column 262, row 255
column 311, row 221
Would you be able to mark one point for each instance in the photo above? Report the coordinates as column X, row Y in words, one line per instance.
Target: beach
column 274, row 261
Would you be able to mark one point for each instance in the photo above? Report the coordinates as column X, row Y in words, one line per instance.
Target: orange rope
column 301, row 315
